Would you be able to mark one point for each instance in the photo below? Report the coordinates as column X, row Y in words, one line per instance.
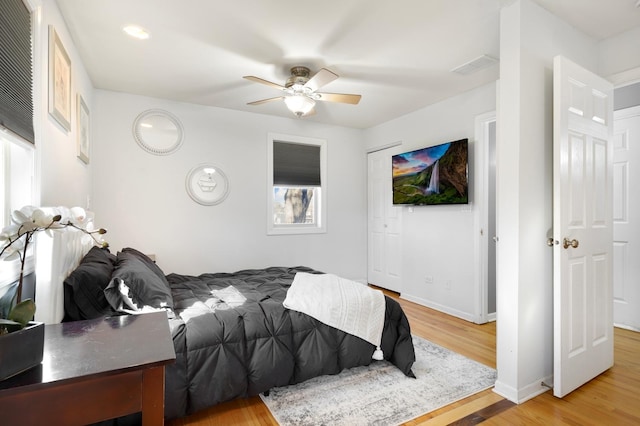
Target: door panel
column 577, row 183
column 583, row 226
column 384, row 224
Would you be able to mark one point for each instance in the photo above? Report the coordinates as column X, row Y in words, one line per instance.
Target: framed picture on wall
column 82, row 121
column 59, row 81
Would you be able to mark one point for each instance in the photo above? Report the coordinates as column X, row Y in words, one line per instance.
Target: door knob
column 573, row 243
column 551, row 242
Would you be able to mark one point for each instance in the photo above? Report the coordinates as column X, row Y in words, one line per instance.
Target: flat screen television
column 433, row 175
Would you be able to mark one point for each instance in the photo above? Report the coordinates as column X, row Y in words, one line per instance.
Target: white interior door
column 384, row 225
column 583, row 226
column 626, row 218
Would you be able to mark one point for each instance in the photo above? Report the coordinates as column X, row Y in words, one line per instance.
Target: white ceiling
column 396, row 54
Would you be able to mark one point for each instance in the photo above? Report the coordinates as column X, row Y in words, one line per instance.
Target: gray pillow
column 84, row 288
column 135, row 285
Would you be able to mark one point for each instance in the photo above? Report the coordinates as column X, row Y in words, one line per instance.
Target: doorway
column 626, row 226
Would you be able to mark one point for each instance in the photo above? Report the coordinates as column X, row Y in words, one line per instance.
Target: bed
column 232, row 335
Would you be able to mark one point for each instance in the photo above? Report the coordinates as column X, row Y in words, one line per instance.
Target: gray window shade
column 296, row 164
column 16, row 101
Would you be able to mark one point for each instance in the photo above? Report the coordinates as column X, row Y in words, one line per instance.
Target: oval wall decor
column 207, row 184
column 158, row 132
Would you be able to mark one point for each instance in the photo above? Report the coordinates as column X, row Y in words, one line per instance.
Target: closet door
column 384, row 225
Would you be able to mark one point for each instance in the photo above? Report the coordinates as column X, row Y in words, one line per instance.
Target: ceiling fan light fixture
column 300, row 105
column 300, row 92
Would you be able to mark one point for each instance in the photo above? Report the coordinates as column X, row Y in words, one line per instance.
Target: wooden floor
column 610, row 399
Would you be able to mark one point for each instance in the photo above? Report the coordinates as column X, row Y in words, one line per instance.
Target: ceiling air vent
column 476, row 64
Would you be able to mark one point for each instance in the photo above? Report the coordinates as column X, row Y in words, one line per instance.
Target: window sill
column 296, row 230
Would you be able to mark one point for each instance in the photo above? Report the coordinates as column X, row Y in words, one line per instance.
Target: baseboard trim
column 525, row 393
column 442, row 308
column 626, row 327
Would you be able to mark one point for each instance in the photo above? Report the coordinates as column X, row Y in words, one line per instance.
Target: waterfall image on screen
column 434, row 181
column 433, row 175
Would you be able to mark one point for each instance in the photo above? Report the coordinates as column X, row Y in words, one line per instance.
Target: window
column 17, row 152
column 16, row 175
column 16, row 190
column 296, row 175
column 16, row 80
column 16, row 108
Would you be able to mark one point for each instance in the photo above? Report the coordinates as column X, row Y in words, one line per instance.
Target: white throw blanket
column 346, row 305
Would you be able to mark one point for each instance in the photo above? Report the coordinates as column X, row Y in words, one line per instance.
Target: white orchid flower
column 13, row 251
column 41, row 219
column 29, row 220
column 20, row 217
column 9, row 232
column 26, row 227
column 78, row 215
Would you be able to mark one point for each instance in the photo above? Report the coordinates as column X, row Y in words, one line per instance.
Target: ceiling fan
column 300, row 90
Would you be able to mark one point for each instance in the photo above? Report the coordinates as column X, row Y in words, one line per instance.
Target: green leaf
column 8, row 326
column 23, row 312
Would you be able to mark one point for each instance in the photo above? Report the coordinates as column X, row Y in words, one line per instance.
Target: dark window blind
column 296, row 164
column 16, row 100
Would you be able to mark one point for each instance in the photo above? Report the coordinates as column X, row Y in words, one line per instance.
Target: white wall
column 141, row 198
column 619, row 57
column 440, row 241
column 63, row 179
column 529, row 39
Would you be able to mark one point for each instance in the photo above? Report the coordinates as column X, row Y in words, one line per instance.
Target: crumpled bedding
column 234, row 338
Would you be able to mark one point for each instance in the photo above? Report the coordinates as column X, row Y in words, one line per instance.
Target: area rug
column 379, row 394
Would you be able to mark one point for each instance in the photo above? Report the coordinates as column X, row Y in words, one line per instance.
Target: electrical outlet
column 447, row 285
column 428, row 279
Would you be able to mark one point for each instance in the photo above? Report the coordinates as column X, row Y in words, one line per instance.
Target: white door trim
column 385, row 146
column 481, row 188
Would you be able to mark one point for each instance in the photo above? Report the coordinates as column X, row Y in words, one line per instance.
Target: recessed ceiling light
column 136, row 31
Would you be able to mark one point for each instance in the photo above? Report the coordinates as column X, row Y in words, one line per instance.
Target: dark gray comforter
column 233, row 338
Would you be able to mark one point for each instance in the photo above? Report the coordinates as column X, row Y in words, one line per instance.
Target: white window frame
column 320, row 198
column 10, row 270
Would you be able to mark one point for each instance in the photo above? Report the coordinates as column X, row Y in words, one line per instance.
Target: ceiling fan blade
column 264, row 101
column 339, row 97
column 263, row 81
column 322, row 77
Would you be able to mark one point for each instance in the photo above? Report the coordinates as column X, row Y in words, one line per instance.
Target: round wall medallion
column 207, row 184
column 158, row 132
